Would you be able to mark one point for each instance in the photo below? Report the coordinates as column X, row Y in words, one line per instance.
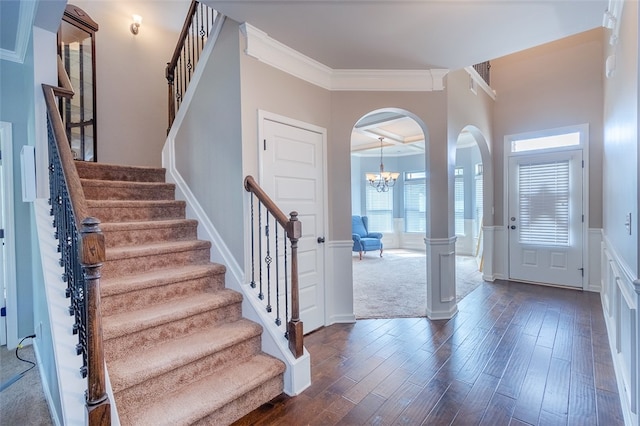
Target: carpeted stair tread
column 132, row 210
column 119, row 234
column 130, row 283
column 125, row 323
column 103, row 171
column 97, row 189
column 129, row 252
column 169, row 355
column 229, row 384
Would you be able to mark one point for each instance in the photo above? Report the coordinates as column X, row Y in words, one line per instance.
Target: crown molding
column 262, row 47
column 25, row 24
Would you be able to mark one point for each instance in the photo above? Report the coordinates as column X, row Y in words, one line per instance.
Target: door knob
column 320, row 240
column 513, row 227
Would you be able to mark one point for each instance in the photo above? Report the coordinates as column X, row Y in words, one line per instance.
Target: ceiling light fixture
column 383, row 180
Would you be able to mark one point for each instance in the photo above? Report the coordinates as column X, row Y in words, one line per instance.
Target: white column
column 441, row 278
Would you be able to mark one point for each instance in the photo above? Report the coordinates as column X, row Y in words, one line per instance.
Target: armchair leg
column 380, row 252
column 360, row 254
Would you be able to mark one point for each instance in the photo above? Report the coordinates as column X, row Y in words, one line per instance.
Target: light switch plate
column 627, row 223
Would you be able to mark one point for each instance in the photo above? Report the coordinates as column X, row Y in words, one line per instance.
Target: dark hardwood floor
column 515, row 354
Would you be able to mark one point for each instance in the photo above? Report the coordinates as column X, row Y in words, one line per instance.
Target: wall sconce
column 135, row 25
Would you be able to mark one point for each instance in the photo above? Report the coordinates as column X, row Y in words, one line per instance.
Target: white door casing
column 545, row 222
column 292, row 165
column 8, row 276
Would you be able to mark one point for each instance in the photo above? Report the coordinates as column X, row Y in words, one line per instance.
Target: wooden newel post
column 92, row 255
column 294, row 327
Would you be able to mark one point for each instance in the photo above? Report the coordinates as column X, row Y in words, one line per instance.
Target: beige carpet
column 23, row 402
column 395, row 285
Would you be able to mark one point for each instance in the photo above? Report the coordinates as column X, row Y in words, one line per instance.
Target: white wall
column 130, row 82
column 554, row 85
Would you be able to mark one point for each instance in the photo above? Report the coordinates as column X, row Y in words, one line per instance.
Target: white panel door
column 293, row 176
column 545, row 222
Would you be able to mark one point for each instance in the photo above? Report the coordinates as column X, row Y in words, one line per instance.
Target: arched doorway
column 473, row 201
column 394, row 284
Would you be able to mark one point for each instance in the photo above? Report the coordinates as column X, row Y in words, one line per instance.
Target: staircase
column 178, row 351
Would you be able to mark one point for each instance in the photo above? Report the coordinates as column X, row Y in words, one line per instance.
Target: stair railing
column 195, row 32
column 82, row 249
column 271, row 280
column 484, row 69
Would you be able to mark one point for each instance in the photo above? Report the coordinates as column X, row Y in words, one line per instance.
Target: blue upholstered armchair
column 363, row 240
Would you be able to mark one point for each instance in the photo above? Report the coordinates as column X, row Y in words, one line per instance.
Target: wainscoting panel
column 619, row 297
column 447, row 274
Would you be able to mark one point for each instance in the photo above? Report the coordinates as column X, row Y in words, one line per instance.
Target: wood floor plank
column 448, row 406
column 391, row 409
column 516, row 369
column 475, row 404
column 609, row 410
column 556, row 395
column 498, row 411
column 563, row 344
column 359, row 414
column 582, row 401
column 529, row 402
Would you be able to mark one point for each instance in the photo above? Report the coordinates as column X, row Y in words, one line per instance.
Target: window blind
column 379, row 209
column 415, row 205
column 544, row 203
column 459, row 201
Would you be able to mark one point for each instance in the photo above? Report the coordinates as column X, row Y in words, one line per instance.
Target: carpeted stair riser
column 138, row 342
column 129, row 399
column 88, row 170
column 246, row 403
column 140, row 233
column 120, row 263
column 123, row 190
column 133, row 211
column 144, row 297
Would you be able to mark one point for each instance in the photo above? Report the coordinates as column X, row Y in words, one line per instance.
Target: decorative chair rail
column 483, row 68
column 272, row 277
column 195, row 32
column 82, row 250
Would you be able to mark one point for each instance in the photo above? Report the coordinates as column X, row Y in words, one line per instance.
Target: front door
column 545, row 222
column 292, row 175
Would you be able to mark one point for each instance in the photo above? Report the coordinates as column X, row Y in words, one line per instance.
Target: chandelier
column 383, row 180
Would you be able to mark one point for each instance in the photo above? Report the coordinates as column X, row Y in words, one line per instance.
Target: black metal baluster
column 278, row 322
column 260, row 294
column 267, row 261
column 286, row 290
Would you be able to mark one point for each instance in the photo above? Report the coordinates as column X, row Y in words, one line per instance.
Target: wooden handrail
column 91, row 255
column 251, row 185
column 293, row 227
column 66, row 157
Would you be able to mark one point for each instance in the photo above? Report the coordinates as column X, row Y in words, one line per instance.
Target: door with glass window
column 545, row 219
